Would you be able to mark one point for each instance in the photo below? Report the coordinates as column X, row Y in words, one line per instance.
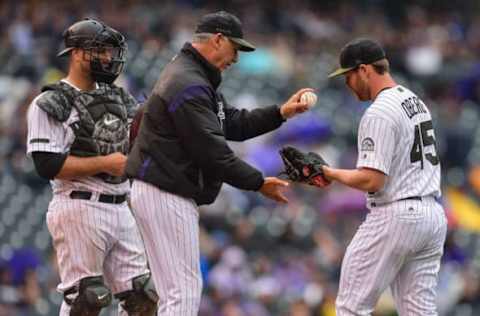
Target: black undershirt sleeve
column 48, row 164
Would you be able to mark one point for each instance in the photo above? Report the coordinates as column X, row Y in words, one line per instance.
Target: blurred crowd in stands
column 259, row 258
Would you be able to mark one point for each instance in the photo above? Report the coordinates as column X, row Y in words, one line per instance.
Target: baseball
column 309, row 98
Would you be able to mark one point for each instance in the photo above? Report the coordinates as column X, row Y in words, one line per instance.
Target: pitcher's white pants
column 399, row 245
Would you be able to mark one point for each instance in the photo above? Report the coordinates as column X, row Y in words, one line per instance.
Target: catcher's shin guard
column 142, row 299
column 88, row 297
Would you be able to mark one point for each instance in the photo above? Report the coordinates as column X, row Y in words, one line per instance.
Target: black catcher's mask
column 104, row 47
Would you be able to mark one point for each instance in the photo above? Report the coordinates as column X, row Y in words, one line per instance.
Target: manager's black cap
column 357, row 52
column 227, row 24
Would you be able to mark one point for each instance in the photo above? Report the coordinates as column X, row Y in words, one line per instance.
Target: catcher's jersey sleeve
column 376, row 143
column 44, row 133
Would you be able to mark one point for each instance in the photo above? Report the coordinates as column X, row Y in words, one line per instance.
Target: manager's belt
column 104, row 198
column 417, row 198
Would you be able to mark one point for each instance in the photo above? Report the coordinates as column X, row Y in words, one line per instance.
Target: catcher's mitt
column 303, row 167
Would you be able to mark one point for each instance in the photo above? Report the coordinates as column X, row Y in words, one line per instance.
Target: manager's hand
column 294, row 105
column 273, row 187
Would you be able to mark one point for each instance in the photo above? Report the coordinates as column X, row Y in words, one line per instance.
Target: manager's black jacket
column 181, row 145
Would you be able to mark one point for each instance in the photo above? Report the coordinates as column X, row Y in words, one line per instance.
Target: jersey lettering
column 413, row 106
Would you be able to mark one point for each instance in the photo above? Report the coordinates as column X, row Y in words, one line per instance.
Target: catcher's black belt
column 417, row 198
column 103, row 198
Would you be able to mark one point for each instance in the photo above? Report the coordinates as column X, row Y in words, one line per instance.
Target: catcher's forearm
column 367, row 180
column 82, row 166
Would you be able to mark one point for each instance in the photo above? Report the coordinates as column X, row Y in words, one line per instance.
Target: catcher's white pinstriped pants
column 169, row 226
column 93, row 239
column 399, row 245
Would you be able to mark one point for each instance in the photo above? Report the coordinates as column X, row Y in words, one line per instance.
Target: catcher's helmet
column 96, row 39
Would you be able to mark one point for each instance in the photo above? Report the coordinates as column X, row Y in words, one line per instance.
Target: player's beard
column 85, row 66
column 85, row 69
column 362, row 90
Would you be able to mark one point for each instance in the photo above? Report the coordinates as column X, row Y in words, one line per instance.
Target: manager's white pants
column 169, row 226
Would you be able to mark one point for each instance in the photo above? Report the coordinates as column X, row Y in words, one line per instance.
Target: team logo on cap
column 224, row 31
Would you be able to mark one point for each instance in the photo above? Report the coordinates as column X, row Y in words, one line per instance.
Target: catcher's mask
column 105, row 48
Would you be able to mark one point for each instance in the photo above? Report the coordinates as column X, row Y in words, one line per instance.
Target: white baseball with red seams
column 309, row 98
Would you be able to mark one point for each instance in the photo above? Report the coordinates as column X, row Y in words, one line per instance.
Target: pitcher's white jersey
column 396, row 137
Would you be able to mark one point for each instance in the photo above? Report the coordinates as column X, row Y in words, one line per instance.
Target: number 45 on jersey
column 423, row 139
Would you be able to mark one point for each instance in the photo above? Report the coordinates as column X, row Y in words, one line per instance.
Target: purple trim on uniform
column 189, row 93
column 143, row 168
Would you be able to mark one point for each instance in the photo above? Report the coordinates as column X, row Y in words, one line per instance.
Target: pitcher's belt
column 417, row 198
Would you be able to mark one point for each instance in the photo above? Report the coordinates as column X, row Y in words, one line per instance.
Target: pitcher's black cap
column 357, row 52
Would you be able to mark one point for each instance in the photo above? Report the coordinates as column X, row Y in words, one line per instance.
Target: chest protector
column 102, row 128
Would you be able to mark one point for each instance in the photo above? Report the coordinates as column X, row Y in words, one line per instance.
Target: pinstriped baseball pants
column 93, row 239
column 169, row 226
column 399, row 245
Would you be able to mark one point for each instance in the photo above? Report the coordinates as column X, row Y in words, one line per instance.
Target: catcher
column 78, row 138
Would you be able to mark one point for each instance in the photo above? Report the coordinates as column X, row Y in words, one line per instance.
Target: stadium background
column 259, row 258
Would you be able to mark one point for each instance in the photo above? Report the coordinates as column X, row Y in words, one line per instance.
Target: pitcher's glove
column 303, row 167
